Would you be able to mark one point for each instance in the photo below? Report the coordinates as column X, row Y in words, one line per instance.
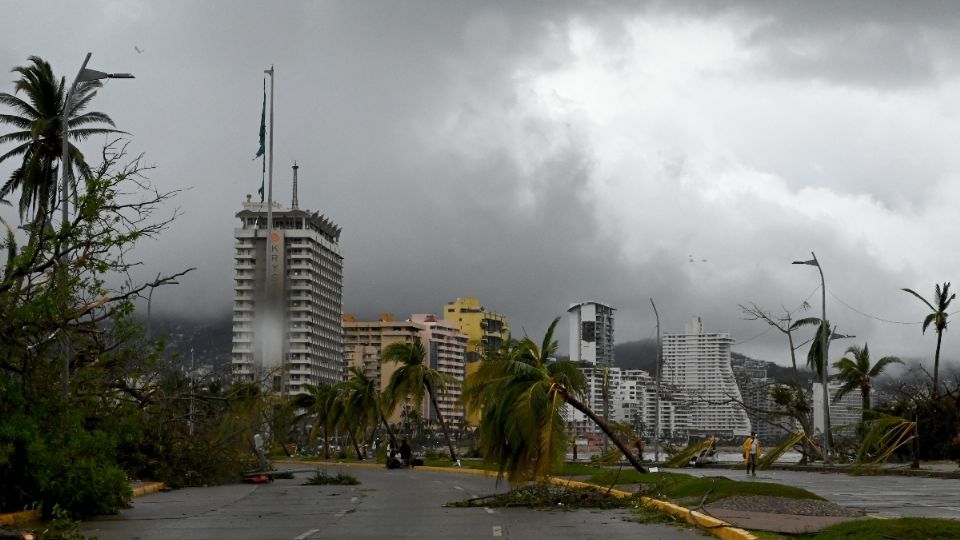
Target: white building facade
column 845, row 413
column 591, row 333
column 291, row 335
column 698, row 365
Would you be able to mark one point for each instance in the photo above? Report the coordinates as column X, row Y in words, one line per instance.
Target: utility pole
column 656, row 421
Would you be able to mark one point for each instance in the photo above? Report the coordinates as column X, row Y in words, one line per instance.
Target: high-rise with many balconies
column 591, row 333
column 292, row 334
column 698, row 364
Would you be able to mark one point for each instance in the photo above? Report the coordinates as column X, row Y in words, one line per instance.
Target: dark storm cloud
column 424, row 129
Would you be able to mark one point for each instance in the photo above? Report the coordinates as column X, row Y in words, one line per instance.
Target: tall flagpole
column 268, row 301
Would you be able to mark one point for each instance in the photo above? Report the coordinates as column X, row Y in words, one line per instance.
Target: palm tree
column 856, row 372
column 938, row 317
column 39, row 135
column 815, row 356
column 520, row 392
column 365, row 403
column 319, row 403
column 413, row 377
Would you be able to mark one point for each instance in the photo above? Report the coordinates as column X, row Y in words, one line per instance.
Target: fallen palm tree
column 692, row 450
column 797, row 439
column 887, row 435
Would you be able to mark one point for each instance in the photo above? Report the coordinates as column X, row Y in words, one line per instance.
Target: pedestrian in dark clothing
column 406, row 454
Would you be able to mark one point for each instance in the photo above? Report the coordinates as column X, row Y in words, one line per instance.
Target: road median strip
column 716, row 527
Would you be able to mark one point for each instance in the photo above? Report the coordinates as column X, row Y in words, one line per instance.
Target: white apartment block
column 292, row 336
column 591, row 333
column 698, row 364
column 845, row 413
column 446, row 348
column 631, row 400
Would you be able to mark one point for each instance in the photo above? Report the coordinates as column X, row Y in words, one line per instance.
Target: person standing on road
column 261, row 455
column 406, row 454
column 751, row 452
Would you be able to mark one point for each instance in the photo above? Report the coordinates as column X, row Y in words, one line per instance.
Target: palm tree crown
column 38, row 137
column 857, row 373
column 938, row 318
column 413, row 378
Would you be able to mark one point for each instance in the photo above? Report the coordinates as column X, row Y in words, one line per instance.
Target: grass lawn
column 677, row 486
column 885, row 529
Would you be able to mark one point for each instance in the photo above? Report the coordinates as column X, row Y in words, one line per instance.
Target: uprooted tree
column 84, row 401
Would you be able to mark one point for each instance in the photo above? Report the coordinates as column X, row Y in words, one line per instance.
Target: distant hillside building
column 295, row 329
column 698, row 364
column 591, row 333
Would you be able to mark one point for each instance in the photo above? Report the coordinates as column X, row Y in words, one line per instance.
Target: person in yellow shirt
column 752, row 452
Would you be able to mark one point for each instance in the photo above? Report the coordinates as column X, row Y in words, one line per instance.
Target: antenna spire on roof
column 295, row 204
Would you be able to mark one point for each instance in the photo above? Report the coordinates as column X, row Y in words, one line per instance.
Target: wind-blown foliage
column 856, row 373
column 38, row 137
column 318, row 403
column 815, row 355
column 938, row 318
column 413, row 378
column 885, row 435
column 520, row 391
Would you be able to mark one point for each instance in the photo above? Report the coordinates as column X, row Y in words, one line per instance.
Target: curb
column 147, row 489
column 35, row 515
column 712, row 525
column 719, row 528
column 14, row 517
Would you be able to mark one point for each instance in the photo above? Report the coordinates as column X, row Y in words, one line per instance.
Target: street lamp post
column 84, row 75
column 824, row 343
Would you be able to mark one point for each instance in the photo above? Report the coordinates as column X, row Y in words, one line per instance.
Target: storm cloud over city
column 536, row 154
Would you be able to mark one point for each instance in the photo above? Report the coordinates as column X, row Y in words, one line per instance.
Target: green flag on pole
column 263, row 137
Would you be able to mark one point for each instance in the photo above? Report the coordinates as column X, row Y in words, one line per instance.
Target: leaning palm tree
column 39, row 133
column 938, row 316
column 521, row 392
column 365, row 403
column 856, row 372
column 413, row 377
column 318, row 402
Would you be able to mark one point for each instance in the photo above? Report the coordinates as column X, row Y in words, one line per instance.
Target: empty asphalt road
column 386, row 504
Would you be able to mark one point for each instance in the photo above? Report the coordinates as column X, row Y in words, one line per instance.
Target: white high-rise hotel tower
column 698, row 364
column 296, row 330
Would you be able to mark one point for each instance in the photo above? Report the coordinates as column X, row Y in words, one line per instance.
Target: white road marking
column 458, row 487
column 497, row 530
column 354, row 499
column 306, row 534
column 488, row 510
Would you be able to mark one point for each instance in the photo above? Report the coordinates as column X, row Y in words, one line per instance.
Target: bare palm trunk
column 865, row 402
column 326, row 443
column 576, row 404
column 443, row 425
column 386, row 425
column 356, row 447
column 936, row 366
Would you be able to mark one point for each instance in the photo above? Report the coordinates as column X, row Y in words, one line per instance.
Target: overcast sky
column 542, row 153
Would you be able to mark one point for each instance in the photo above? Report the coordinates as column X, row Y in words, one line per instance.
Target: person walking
column 751, row 453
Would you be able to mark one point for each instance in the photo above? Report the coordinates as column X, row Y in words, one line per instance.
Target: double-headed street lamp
column 824, row 343
column 84, row 75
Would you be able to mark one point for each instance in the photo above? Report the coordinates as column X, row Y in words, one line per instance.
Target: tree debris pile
column 544, row 495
